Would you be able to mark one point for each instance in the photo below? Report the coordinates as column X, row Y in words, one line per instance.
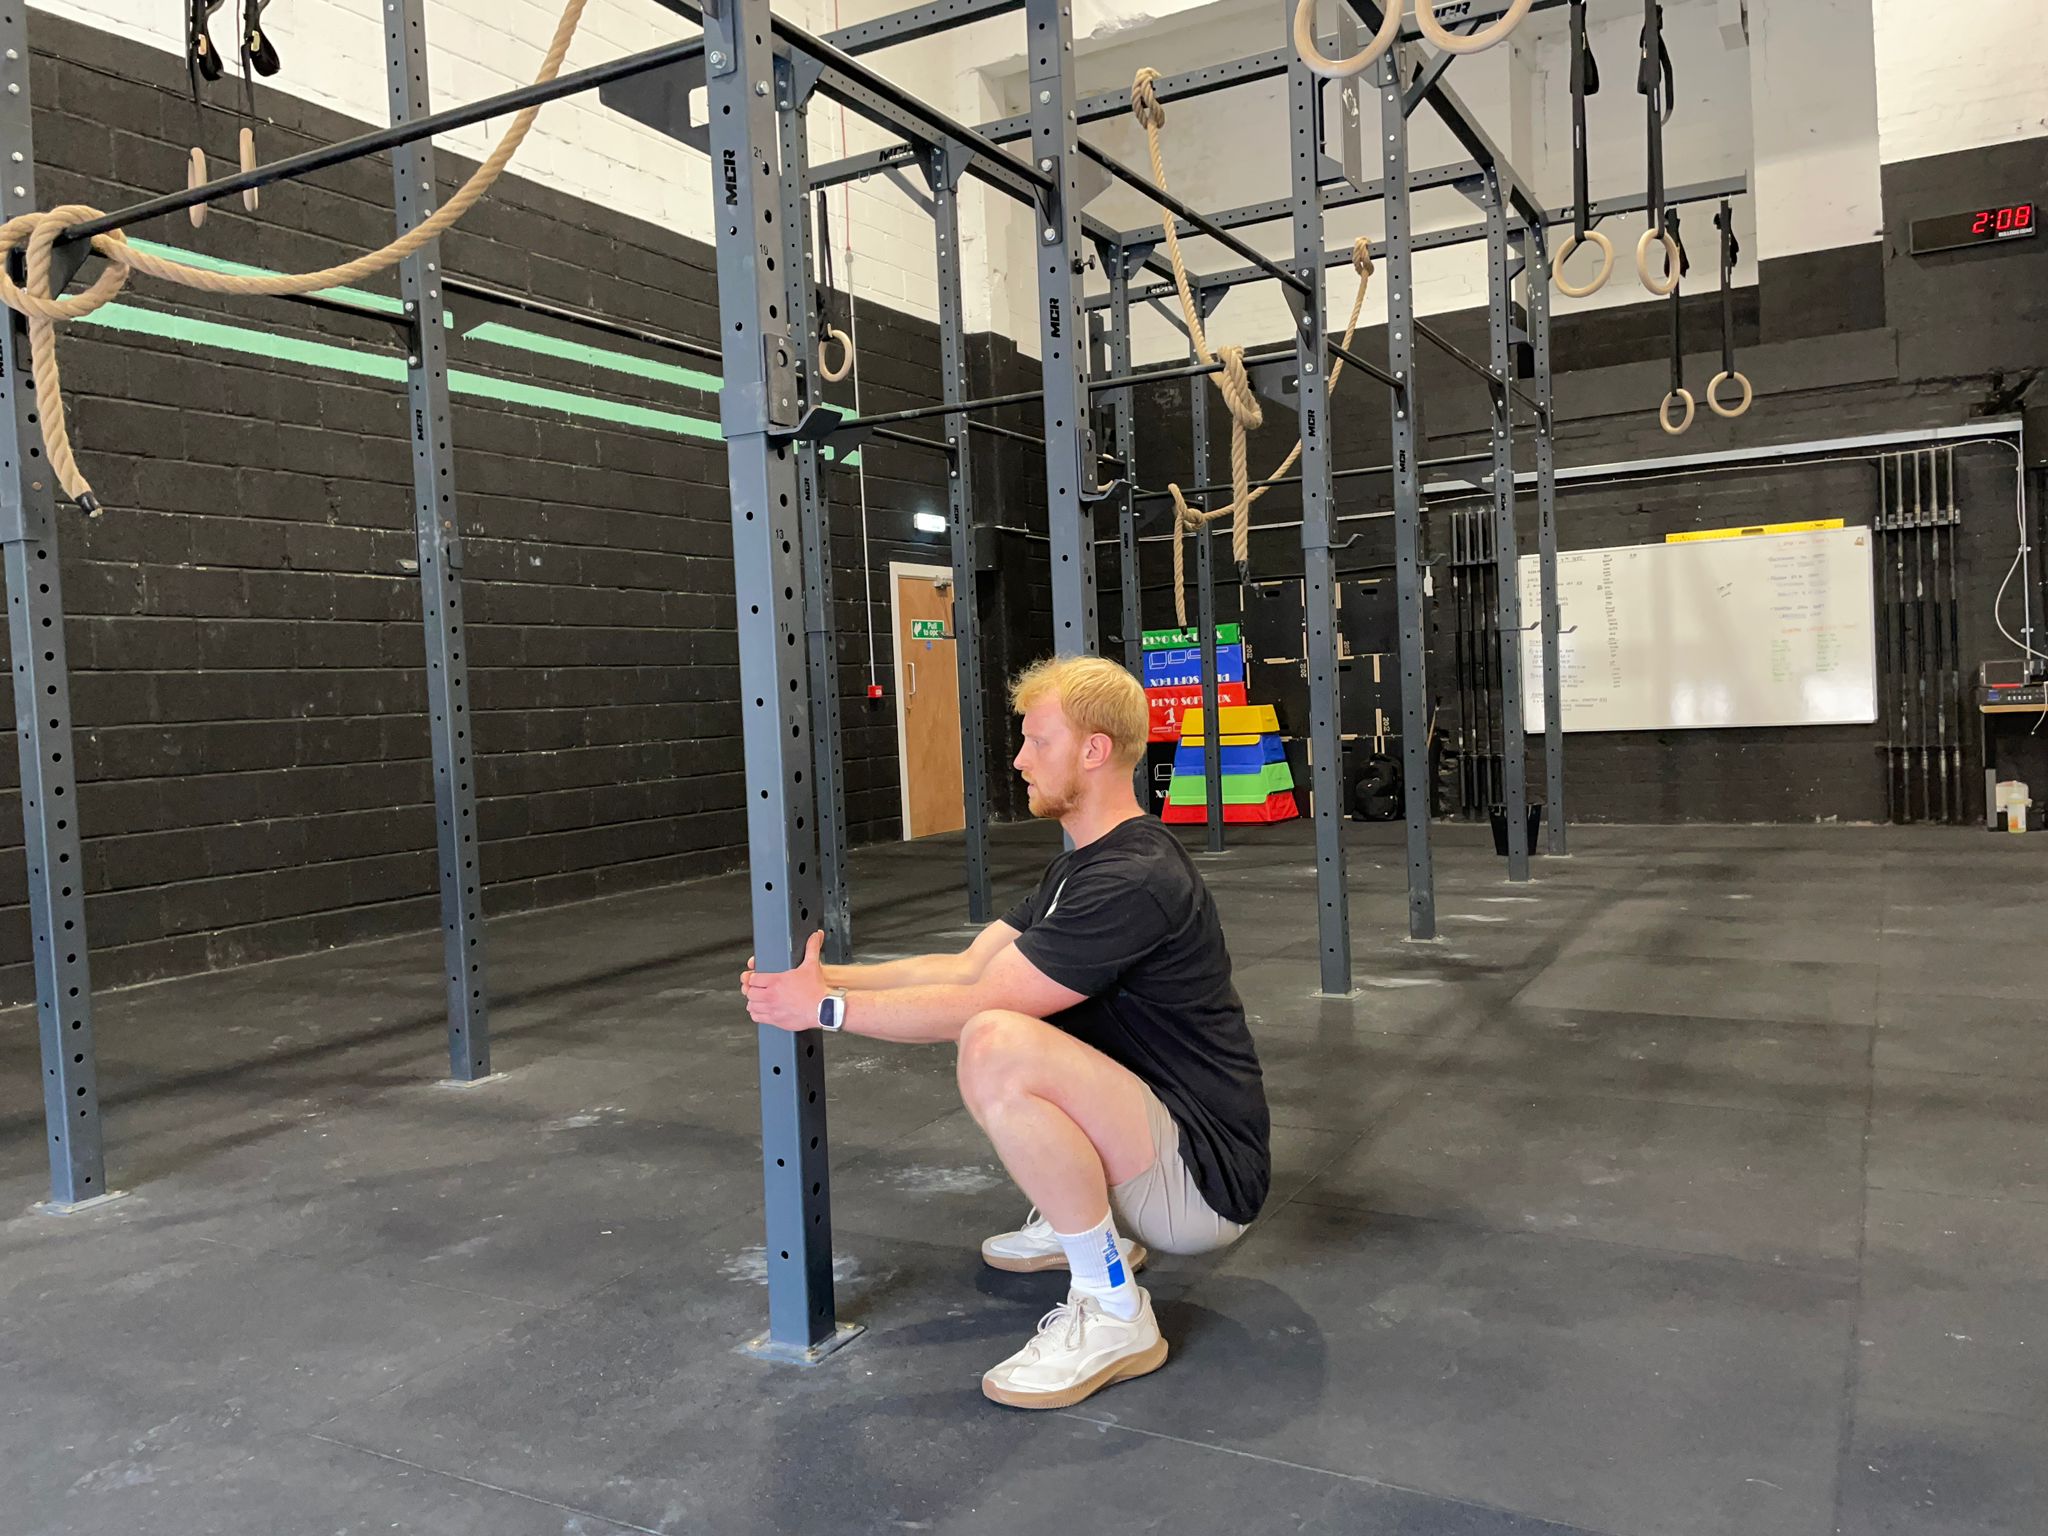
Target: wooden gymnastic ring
column 1343, row 69
column 1451, row 42
column 1714, row 391
column 1673, row 263
column 195, row 176
column 1564, row 254
column 1664, row 413
column 832, row 334
column 251, row 198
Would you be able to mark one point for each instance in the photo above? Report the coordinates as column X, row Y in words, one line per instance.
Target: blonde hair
column 1097, row 696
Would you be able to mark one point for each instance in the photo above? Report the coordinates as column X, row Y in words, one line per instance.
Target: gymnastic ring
column 1564, row 253
column 832, row 334
column 1673, row 263
column 195, row 176
column 1664, row 413
column 1477, row 42
column 1359, row 62
column 1714, row 391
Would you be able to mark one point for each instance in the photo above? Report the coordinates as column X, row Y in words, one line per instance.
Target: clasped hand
column 787, row 999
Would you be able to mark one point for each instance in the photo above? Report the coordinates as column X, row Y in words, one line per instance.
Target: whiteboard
column 1773, row 629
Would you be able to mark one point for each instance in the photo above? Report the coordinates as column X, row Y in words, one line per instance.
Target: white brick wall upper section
column 1959, row 76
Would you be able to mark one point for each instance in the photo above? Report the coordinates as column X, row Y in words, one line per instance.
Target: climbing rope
column 38, row 233
column 1246, row 415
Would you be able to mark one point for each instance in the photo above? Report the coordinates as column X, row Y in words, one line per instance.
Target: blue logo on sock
column 1114, row 1258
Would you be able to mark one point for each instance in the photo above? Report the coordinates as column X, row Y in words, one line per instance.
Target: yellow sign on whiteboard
column 1815, row 526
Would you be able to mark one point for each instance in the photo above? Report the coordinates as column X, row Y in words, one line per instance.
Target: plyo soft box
column 1170, row 706
column 1182, row 668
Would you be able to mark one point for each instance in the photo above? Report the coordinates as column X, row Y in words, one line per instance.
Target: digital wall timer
column 1980, row 226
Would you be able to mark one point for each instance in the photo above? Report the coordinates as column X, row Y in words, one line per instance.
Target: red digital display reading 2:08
column 2016, row 219
column 1981, row 226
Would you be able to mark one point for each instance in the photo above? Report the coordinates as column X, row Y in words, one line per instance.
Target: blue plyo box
column 1245, row 760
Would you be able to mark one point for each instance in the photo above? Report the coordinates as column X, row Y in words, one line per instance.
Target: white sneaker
column 1079, row 1350
column 1035, row 1246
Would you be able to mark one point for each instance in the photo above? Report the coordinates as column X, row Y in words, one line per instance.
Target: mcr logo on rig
column 1053, row 317
column 732, row 179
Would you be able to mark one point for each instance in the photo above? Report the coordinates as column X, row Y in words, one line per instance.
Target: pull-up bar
column 1102, row 386
column 1191, row 492
column 1199, row 220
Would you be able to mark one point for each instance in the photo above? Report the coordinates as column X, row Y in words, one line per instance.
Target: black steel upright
column 1507, row 572
column 1118, row 261
column 945, row 184
column 757, row 405
column 1123, row 414
column 437, row 525
column 42, row 710
column 1205, row 608
column 1319, row 587
column 1407, row 487
column 1536, row 269
column 821, row 635
column 1062, row 326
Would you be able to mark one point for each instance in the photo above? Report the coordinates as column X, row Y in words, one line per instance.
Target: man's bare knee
column 997, row 1049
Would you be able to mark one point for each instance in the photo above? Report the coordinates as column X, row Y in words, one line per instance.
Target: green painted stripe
column 595, row 357
column 253, row 343
column 361, row 298
column 621, row 412
column 333, row 358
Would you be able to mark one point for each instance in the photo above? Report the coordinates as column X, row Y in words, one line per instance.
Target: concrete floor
column 1700, row 1189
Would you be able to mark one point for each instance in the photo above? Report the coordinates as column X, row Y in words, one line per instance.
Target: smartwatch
column 832, row 1012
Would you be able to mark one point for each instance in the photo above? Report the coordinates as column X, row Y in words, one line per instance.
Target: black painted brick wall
column 244, row 636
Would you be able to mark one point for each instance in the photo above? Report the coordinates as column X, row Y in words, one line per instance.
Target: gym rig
column 761, row 72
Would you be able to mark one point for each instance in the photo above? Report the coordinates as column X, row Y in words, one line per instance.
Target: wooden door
column 928, row 687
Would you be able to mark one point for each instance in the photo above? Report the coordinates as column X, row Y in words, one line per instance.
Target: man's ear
column 1098, row 749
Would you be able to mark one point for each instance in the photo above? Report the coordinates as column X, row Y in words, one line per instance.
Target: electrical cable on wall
column 2019, row 558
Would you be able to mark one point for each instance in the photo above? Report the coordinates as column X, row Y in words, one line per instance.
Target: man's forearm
column 922, row 1015
column 915, row 971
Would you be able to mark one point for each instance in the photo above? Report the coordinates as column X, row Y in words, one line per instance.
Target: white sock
column 1100, row 1269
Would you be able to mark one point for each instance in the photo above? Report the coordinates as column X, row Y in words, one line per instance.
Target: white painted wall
column 1813, row 89
column 1962, row 76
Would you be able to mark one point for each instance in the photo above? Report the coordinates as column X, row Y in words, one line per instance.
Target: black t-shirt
column 1128, row 922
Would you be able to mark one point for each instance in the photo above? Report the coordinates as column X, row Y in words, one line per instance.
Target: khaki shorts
column 1162, row 1207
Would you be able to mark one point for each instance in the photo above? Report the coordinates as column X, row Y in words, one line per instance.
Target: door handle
column 911, row 693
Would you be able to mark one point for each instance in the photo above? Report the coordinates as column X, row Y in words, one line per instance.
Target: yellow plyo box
column 1238, row 720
